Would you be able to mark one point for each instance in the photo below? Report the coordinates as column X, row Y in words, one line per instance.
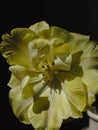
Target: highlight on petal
column 54, row 74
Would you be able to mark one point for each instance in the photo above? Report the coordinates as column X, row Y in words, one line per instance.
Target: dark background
column 79, row 16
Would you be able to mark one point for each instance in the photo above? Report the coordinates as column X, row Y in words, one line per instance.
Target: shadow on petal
column 41, row 104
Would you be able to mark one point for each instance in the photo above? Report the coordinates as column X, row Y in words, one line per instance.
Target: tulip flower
column 54, row 74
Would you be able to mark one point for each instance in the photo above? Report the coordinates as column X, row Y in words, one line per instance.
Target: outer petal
column 78, row 43
column 19, row 105
column 17, row 99
column 49, row 110
column 89, row 58
column 39, row 27
column 57, row 32
column 19, row 71
column 14, row 47
column 90, row 78
column 13, row 82
column 76, row 93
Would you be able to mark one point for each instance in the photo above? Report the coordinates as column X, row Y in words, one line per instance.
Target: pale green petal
column 90, row 78
column 19, row 105
column 76, row 93
column 60, row 108
column 38, row 121
column 63, row 49
column 79, row 42
column 37, row 113
column 76, row 69
column 89, row 58
column 27, row 91
column 80, row 37
column 56, row 42
column 90, row 50
column 13, row 82
column 27, row 88
column 40, row 26
column 19, row 71
column 16, row 92
column 38, row 50
column 14, row 47
column 48, row 112
column 61, row 64
column 89, row 62
column 58, row 49
column 57, row 32
column 33, row 87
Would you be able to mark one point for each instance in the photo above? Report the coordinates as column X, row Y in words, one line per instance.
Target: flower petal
column 57, row 32
column 90, row 78
column 76, row 93
column 14, row 47
column 19, row 105
column 40, row 26
column 51, row 114
column 18, row 71
column 13, row 82
column 64, row 65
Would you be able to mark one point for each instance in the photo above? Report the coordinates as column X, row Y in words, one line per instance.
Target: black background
column 79, row 16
